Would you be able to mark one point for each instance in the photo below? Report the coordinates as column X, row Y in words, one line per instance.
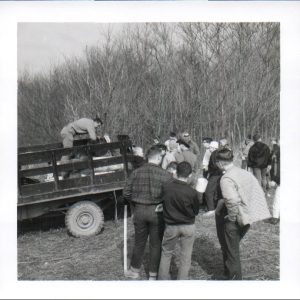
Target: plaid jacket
column 144, row 185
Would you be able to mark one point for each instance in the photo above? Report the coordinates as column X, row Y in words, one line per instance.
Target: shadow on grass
column 208, row 256
column 205, row 254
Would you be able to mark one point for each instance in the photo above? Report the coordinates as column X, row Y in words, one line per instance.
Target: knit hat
column 214, row 144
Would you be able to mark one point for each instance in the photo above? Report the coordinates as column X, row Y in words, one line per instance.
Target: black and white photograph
column 150, row 151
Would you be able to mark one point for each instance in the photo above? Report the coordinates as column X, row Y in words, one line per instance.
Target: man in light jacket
column 245, row 202
column 81, row 126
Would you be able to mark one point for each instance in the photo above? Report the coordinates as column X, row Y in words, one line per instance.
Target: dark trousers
column 147, row 223
column 233, row 235
column 244, row 164
column 261, row 176
column 220, row 226
column 211, row 192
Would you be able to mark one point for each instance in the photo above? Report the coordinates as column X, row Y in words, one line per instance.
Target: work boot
column 131, row 274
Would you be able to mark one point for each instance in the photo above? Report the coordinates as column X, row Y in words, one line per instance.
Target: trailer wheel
column 84, row 218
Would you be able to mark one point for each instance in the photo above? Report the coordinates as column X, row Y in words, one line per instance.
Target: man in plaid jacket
column 144, row 190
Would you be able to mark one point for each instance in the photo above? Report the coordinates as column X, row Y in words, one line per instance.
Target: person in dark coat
column 214, row 175
column 275, row 163
column 259, row 159
column 275, row 177
column 180, row 206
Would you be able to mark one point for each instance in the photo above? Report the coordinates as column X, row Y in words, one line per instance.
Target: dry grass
column 54, row 255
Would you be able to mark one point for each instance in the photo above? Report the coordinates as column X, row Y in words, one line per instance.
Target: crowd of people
column 164, row 197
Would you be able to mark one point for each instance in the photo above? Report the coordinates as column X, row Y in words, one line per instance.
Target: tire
column 84, row 218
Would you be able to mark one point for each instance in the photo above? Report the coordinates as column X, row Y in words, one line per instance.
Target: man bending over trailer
column 80, row 126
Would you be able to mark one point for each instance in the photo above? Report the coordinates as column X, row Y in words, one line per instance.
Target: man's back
column 180, row 202
column 194, row 147
column 242, row 189
column 259, row 155
column 145, row 183
column 187, row 156
column 81, row 126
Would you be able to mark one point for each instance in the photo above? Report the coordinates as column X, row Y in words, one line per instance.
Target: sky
column 41, row 45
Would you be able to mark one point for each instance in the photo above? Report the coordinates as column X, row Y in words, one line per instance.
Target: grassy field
column 47, row 252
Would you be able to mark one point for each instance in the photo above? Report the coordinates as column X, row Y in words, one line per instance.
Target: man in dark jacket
column 180, row 206
column 214, row 175
column 259, row 159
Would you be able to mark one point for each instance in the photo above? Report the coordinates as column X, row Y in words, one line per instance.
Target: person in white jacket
column 205, row 161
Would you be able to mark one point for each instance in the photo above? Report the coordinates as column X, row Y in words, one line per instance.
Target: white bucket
column 201, row 185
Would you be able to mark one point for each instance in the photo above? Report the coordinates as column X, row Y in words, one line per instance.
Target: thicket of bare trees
column 213, row 79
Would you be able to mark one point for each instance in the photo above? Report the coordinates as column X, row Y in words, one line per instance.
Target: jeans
column 261, row 176
column 185, row 234
column 233, row 235
column 147, row 223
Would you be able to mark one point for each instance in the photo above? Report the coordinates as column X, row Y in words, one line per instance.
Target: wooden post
column 116, row 207
column 125, row 238
column 54, row 169
column 91, row 165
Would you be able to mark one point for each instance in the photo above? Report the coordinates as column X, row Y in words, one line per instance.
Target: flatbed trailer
column 97, row 172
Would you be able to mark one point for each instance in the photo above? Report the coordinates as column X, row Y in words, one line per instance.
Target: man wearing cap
column 214, row 174
column 169, row 157
column 260, row 159
column 223, row 143
column 185, row 154
column 171, row 140
column 245, row 202
column 205, row 142
column 192, row 144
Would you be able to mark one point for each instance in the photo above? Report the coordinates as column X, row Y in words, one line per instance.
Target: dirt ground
column 47, row 252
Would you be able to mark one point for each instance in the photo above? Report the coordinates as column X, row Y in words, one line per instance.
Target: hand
column 159, row 208
column 220, row 205
column 209, row 213
column 227, row 219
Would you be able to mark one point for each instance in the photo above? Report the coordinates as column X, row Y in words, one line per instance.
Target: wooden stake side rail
column 29, row 164
column 79, row 140
column 73, row 166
